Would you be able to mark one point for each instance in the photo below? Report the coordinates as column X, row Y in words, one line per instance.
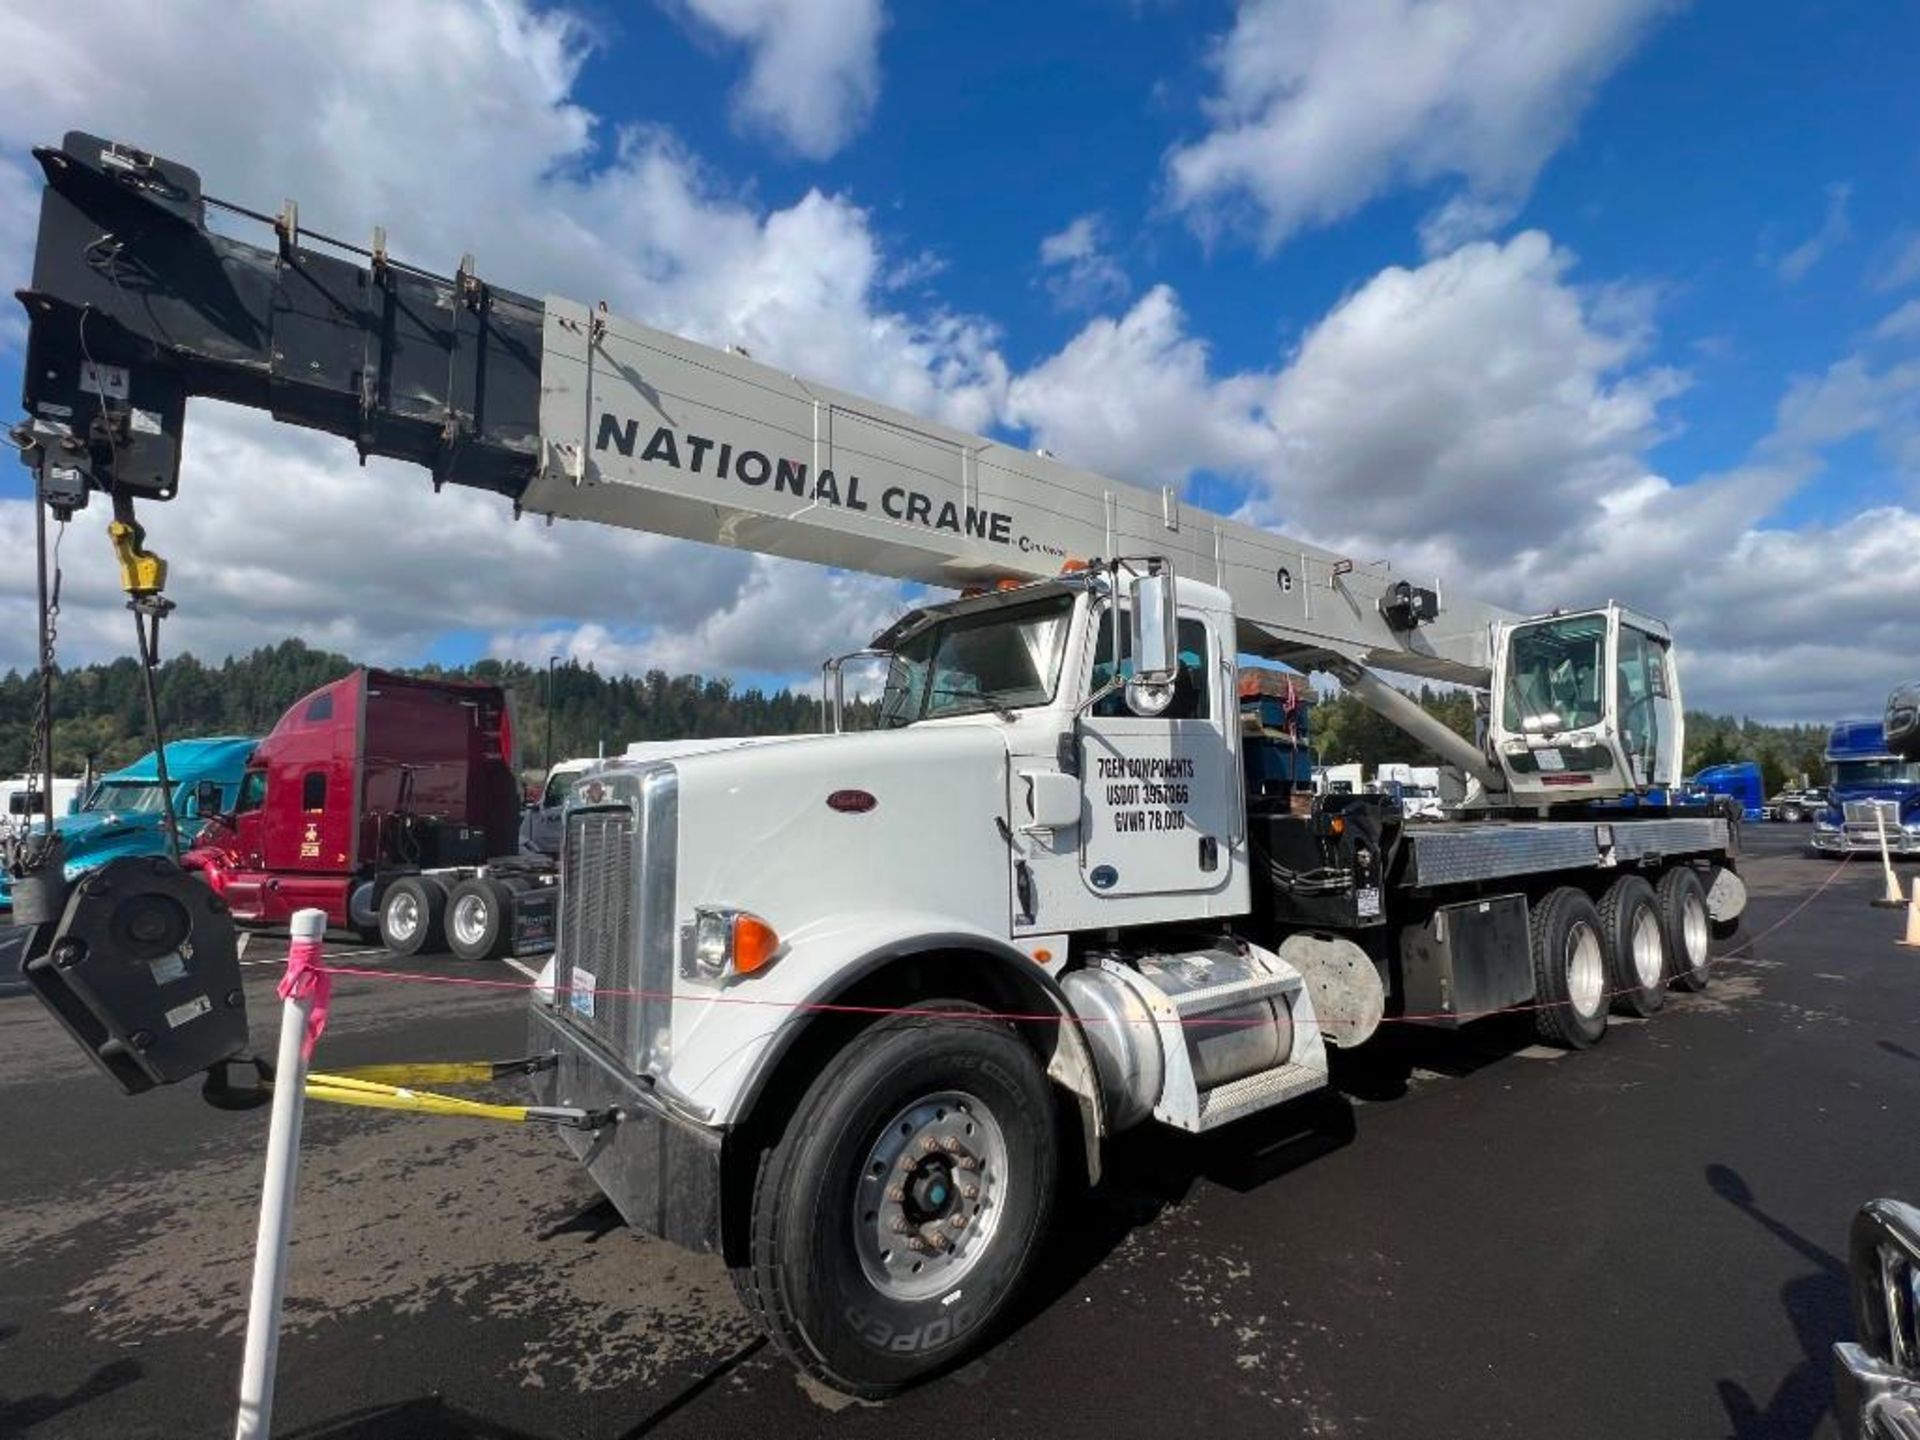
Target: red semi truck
column 389, row 802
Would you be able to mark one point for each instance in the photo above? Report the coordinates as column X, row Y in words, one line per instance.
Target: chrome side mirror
column 1156, row 655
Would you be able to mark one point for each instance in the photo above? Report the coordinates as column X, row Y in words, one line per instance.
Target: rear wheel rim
column 469, row 919
column 1693, row 932
column 1585, row 974
column 1649, row 963
column 942, row 1159
column 403, row 917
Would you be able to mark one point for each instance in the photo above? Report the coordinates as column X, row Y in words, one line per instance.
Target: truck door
column 244, row 885
column 1159, row 795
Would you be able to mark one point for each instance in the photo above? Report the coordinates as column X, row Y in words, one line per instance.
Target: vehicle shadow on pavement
column 427, row 1418
column 1148, row 1170
column 1819, row 1307
column 17, row 1416
column 1384, row 1068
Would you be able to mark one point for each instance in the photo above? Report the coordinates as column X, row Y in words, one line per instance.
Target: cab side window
column 1192, row 688
column 313, row 790
column 253, row 792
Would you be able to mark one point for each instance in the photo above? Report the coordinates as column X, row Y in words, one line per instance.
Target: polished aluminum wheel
column 1649, row 954
column 928, row 1200
column 403, row 917
column 468, row 920
column 1693, row 932
column 1586, row 971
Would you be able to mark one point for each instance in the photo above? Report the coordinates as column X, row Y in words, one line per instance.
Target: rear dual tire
column 479, row 915
column 1567, row 941
column 1689, row 930
column 1637, row 949
column 413, row 915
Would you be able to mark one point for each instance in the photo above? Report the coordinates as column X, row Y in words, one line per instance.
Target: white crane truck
column 851, row 1008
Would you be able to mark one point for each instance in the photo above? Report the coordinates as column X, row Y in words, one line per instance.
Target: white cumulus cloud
column 1080, row 273
column 1324, row 105
column 815, row 70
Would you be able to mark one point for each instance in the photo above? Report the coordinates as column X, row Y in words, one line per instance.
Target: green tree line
column 100, row 710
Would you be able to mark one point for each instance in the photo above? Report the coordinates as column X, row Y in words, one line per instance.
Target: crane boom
column 571, row 412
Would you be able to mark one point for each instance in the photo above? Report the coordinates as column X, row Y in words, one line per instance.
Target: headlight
column 727, row 942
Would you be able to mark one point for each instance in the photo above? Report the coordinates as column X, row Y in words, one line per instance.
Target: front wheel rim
column 470, row 920
column 403, row 917
column 1648, row 961
column 928, row 1200
column 1585, row 974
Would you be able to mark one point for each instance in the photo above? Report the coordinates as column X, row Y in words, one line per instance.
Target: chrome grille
column 1862, row 812
column 597, row 887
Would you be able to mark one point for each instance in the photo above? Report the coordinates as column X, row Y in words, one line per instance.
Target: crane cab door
column 1646, row 698
column 1160, row 793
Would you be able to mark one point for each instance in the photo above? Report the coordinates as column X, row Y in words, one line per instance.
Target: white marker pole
column 1893, row 899
column 276, row 1199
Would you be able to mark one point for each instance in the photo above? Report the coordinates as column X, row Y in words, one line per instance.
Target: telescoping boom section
column 572, row 412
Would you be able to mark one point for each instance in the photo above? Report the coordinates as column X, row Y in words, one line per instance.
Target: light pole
column 552, row 660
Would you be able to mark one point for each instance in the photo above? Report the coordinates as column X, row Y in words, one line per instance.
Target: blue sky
column 1562, row 301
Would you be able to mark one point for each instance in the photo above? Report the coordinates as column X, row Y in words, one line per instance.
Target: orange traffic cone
column 1912, row 942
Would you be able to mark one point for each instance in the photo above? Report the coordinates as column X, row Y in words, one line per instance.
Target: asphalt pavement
column 1472, row 1237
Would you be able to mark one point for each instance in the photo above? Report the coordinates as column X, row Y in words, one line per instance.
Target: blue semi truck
column 1740, row 781
column 1869, row 788
column 123, row 813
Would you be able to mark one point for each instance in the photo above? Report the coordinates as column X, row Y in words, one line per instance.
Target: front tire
column 1569, row 970
column 1683, row 915
column 898, row 1213
column 1792, row 814
column 1636, row 946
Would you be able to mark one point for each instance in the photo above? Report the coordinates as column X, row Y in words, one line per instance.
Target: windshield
column 558, row 784
column 1555, row 668
column 1876, row 772
column 138, row 795
column 999, row 658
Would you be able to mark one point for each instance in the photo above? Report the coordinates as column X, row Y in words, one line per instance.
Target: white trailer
column 860, row 1004
column 1348, row 779
column 21, row 805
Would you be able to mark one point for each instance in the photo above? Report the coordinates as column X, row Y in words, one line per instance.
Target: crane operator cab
column 1586, row 705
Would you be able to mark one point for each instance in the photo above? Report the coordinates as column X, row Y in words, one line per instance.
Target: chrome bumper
column 1877, row 1381
column 1864, row 840
column 660, row 1169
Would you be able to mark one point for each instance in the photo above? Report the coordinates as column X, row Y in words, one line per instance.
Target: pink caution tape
column 307, row 978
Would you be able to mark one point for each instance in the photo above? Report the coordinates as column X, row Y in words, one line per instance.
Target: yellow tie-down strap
column 390, row 1087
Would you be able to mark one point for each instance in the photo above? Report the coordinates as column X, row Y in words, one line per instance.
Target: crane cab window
column 1192, row 698
column 313, row 790
column 1556, row 674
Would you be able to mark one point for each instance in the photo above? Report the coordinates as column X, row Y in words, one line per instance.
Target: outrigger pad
column 143, row 972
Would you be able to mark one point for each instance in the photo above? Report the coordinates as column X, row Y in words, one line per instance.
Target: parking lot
column 1474, row 1236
